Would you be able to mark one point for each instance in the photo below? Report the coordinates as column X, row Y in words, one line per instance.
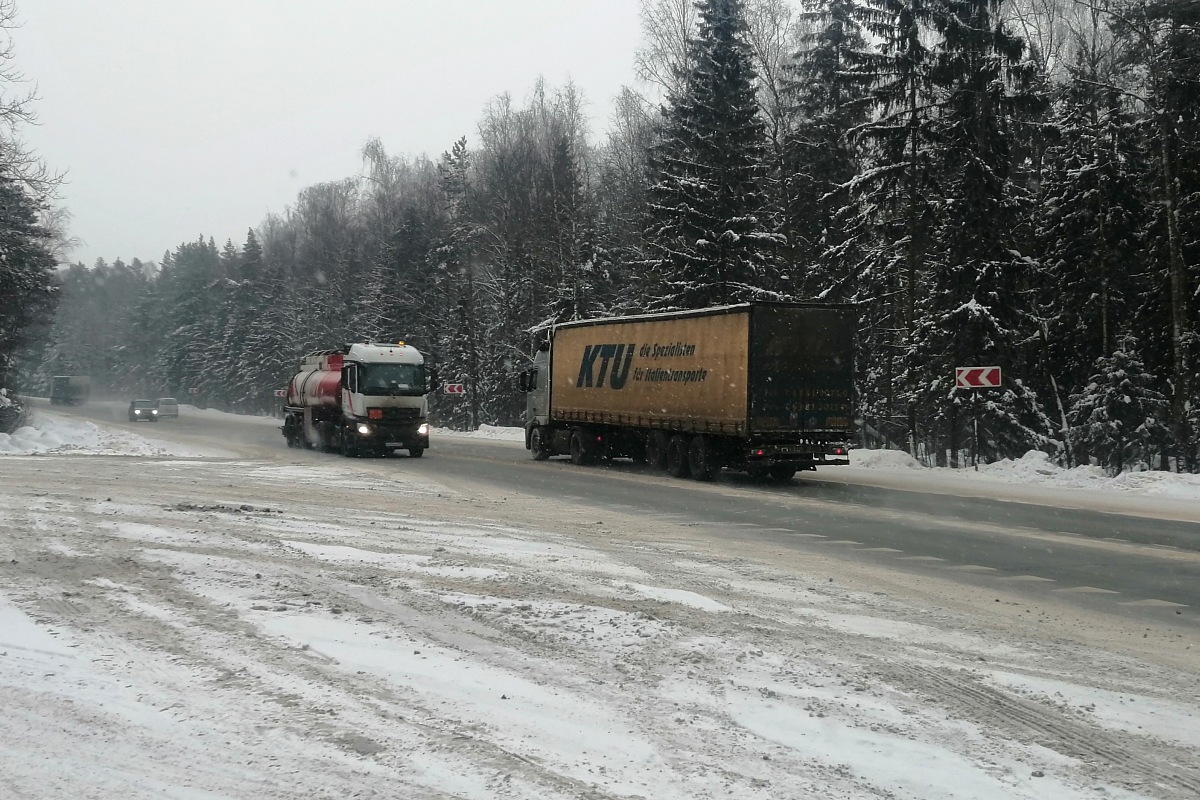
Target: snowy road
column 1061, row 546
column 297, row 626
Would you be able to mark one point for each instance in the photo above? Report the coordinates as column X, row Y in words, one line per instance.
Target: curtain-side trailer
column 767, row 388
column 70, row 390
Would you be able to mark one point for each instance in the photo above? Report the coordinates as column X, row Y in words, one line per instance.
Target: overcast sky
column 175, row 118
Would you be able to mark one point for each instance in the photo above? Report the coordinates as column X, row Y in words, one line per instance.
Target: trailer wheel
column 783, row 472
column 677, row 456
column 700, row 459
column 581, row 450
column 656, row 450
column 537, row 443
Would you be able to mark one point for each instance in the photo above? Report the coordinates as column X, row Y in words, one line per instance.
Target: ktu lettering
column 617, row 356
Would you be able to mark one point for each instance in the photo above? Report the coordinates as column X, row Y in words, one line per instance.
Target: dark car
column 143, row 409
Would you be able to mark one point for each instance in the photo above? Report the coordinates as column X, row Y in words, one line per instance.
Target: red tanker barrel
column 317, row 387
column 293, row 390
column 324, row 388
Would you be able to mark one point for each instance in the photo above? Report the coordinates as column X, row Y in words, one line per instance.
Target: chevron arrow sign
column 976, row 377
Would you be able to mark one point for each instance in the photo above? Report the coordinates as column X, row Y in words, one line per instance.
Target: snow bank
column 1035, row 467
column 50, row 434
column 492, row 432
column 883, row 459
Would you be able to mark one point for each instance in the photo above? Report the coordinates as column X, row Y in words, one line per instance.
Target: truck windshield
column 393, row 379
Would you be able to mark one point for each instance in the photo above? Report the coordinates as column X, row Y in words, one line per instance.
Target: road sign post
column 976, row 378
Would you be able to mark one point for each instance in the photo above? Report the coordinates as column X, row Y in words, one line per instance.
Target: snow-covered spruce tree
column 891, row 210
column 278, row 332
column 27, row 282
column 453, row 295
column 1117, row 420
column 28, row 240
column 248, row 377
column 582, row 290
column 402, row 216
column 186, row 310
column 1160, row 41
column 826, row 92
column 708, row 239
column 1088, row 223
column 978, row 309
column 621, row 190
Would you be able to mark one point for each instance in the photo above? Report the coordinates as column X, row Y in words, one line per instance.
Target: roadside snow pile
column 1035, row 467
column 493, row 432
column 51, row 434
column 883, row 459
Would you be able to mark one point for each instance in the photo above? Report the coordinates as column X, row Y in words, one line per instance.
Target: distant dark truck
column 69, row 390
column 766, row 388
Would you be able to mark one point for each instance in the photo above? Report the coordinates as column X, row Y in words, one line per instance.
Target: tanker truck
column 763, row 387
column 364, row 399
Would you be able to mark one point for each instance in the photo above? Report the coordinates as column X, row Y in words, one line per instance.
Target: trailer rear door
column 802, row 369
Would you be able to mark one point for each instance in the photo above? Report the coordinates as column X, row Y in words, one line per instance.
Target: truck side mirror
column 435, row 381
column 528, row 380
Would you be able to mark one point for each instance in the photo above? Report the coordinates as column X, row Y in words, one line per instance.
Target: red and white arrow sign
column 976, row 377
column 455, row 388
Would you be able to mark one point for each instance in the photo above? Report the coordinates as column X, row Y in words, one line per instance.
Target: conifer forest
column 992, row 182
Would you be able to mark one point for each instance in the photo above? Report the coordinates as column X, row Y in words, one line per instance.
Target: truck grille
column 391, row 414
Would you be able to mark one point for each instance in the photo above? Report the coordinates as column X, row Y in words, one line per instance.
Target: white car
column 167, row 407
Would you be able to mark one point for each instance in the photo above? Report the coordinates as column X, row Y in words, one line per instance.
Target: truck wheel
column 677, row 456
column 416, row 452
column 290, row 433
column 349, row 449
column 783, row 472
column 656, row 450
column 581, row 451
column 700, row 459
column 537, row 443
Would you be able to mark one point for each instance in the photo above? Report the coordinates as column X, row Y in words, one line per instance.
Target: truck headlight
column 423, row 430
column 155, row 412
column 365, row 430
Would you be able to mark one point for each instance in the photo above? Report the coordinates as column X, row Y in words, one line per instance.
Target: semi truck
column 363, row 399
column 762, row 387
column 70, row 390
